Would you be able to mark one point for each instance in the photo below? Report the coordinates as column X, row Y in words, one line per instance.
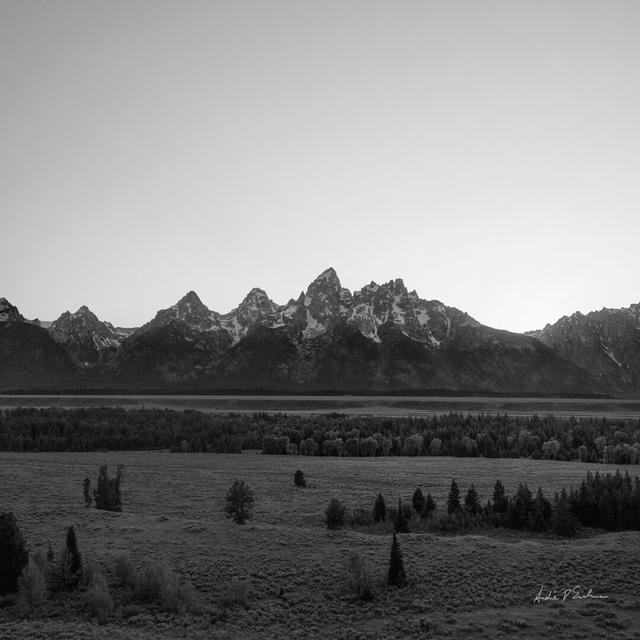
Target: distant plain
column 347, row 404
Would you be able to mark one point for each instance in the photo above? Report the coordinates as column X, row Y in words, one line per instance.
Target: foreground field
column 350, row 405
column 460, row 587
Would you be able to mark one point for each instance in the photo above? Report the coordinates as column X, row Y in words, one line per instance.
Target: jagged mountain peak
column 191, row 298
column 8, row 312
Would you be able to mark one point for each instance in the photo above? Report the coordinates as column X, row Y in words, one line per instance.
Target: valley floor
column 474, row 586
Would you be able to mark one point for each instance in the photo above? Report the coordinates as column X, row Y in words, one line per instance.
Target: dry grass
column 470, row 586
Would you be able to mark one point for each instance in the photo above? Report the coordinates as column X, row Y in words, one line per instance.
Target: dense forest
column 492, row 436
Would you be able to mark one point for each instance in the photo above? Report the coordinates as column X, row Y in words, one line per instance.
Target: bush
column 239, row 502
column 107, row 495
column 125, row 571
column 298, row 479
column 359, row 577
column 98, row 600
column 396, row 576
column 13, row 553
column 418, row 501
column 32, row 588
column 237, row 594
column 160, row 584
column 360, row 518
column 335, row 514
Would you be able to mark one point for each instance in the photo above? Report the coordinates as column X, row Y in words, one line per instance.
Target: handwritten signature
column 574, row 593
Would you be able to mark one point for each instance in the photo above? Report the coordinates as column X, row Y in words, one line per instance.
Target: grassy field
column 475, row 586
column 351, row 405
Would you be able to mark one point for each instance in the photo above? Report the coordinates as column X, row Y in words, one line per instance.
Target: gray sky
column 485, row 152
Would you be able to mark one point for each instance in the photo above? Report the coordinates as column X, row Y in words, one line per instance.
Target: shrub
column 335, row 514
column 160, row 584
column 360, row 518
column 107, row 495
column 32, row 588
column 13, row 553
column 239, row 502
column 125, row 571
column 237, row 593
column 396, row 576
column 379, row 509
column 98, row 600
column 71, row 562
column 298, row 479
column 359, row 577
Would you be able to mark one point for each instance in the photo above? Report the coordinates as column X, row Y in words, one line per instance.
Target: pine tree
column 429, row 506
column 540, row 515
column 396, row 576
column 87, row 492
column 71, row 561
column 499, row 500
column 471, row 502
column 418, row 501
column 400, row 523
column 453, row 501
column 239, row 502
column 564, row 523
column 379, row 509
column 13, row 553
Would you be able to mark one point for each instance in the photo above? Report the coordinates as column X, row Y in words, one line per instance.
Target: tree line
column 609, row 440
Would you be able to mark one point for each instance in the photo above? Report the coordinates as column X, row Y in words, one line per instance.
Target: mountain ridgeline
column 382, row 338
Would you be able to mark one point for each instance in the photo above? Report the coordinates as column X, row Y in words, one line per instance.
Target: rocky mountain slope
column 380, row 338
column 605, row 342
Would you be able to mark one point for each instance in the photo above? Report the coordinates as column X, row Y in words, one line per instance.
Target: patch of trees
column 605, row 440
column 609, row 501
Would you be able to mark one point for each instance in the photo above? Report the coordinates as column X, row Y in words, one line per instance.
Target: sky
column 486, row 152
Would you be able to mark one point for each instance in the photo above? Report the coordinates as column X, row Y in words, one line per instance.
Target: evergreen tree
column 400, row 523
column 471, row 502
column 379, row 509
column 418, row 501
column 71, row 562
column 239, row 502
column 453, row 501
column 396, row 576
column 499, row 499
column 540, row 515
column 429, row 506
column 564, row 523
column 13, row 553
column 299, row 479
column 87, row 492
column 107, row 495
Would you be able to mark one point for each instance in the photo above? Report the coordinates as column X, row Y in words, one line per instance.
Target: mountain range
column 382, row 338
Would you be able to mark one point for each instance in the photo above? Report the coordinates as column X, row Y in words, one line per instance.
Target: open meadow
column 468, row 586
